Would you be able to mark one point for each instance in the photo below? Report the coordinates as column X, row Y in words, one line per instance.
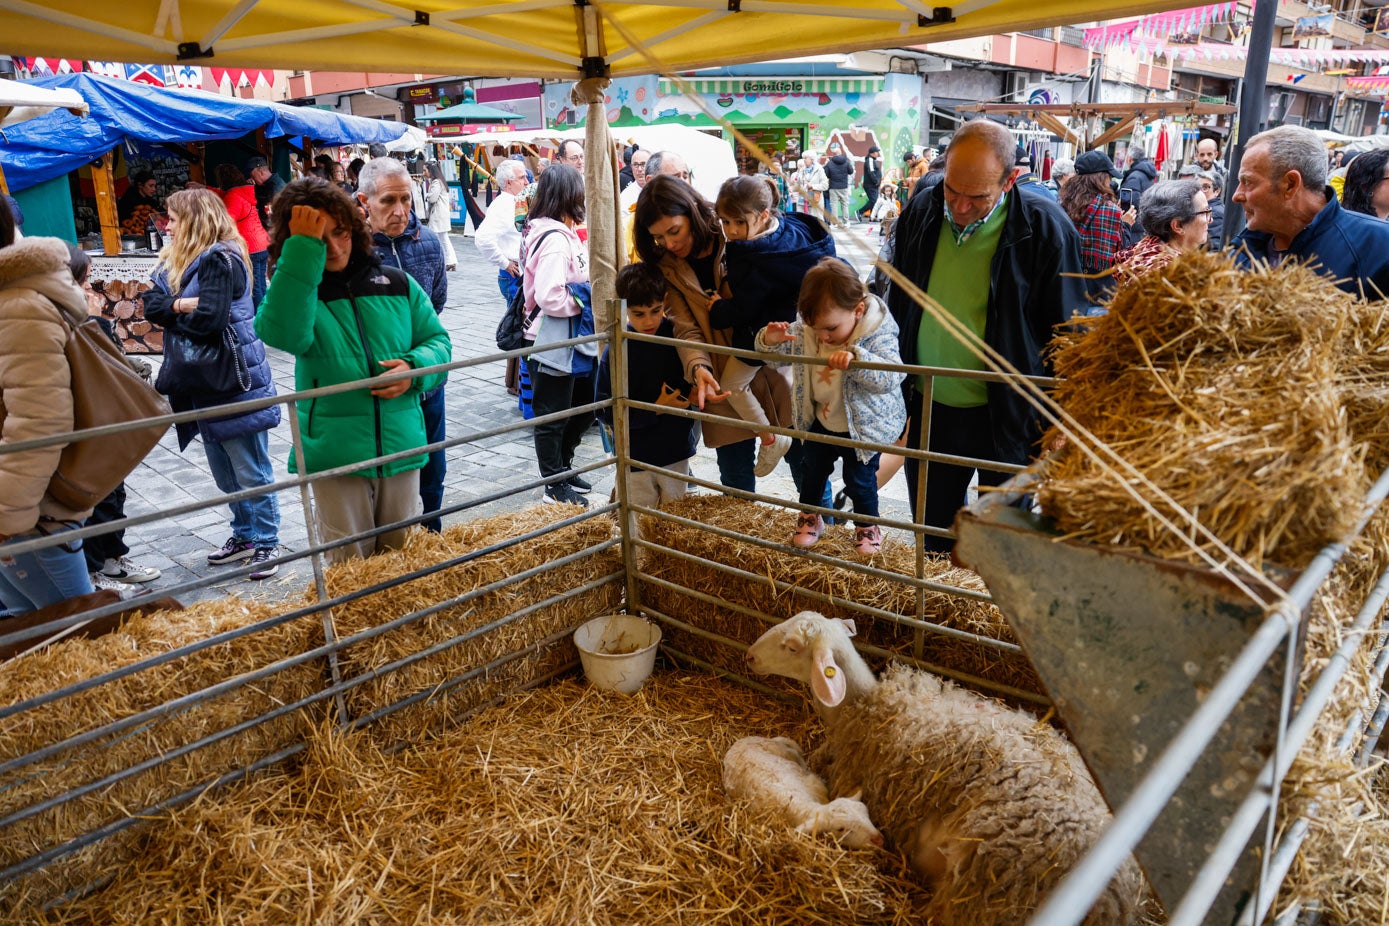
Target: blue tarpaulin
column 52, row 145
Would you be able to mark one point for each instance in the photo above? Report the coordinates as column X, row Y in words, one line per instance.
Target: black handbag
column 203, row 367
column 511, row 330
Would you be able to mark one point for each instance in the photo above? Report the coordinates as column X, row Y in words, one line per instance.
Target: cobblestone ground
column 477, row 402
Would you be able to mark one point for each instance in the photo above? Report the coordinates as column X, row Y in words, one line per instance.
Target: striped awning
column 739, row 86
column 1378, row 83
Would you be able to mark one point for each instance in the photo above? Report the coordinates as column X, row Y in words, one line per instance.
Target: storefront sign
column 422, row 95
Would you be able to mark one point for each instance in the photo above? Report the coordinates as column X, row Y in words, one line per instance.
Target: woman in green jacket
column 345, row 317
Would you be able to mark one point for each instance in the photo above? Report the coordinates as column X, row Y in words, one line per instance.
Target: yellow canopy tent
column 588, row 40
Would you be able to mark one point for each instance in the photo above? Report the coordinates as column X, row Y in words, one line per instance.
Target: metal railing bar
column 681, row 656
column 240, row 571
column 314, row 608
column 27, row 546
column 779, row 586
column 1262, row 796
column 35, row 862
column 335, row 690
column 861, row 568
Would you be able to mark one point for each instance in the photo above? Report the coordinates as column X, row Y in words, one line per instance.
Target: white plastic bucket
column 618, row 651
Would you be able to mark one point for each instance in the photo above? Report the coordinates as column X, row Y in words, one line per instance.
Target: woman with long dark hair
column 346, row 317
column 1366, row 190
column 202, row 290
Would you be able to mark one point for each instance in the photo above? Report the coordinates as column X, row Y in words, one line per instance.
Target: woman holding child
column 677, row 232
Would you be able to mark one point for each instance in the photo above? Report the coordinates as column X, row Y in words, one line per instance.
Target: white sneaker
column 123, row 570
column 101, row 581
column 769, row 455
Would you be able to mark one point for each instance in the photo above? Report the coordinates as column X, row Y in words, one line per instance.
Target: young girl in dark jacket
column 768, row 254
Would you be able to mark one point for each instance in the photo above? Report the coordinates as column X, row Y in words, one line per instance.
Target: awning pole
column 1253, row 108
column 106, row 203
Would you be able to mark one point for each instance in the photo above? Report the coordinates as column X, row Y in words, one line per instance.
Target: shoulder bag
column 214, row 367
column 105, row 390
column 511, row 330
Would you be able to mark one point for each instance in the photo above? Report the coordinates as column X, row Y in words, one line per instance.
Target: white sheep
column 772, row 777
column 992, row 807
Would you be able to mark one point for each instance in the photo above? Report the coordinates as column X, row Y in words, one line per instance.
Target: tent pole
column 1253, row 107
column 4, row 184
column 106, row 204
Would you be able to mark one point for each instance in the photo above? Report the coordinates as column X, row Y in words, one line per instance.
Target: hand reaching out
column 776, row 333
column 706, row 388
column 390, row 390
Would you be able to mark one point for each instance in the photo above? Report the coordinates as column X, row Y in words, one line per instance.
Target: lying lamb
column 992, row 807
column 771, row 777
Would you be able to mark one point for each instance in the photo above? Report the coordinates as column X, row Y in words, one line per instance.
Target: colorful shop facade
column 790, row 113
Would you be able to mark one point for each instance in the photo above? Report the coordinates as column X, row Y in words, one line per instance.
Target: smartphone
column 1125, row 199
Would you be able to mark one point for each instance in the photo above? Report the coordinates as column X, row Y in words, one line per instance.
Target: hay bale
column 142, row 636
column 961, row 613
column 1219, row 385
column 563, row 805
column 424, row 549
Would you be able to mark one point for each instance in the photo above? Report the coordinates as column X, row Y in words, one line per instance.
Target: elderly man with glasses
column 968, row 225
column 1293, row 215
column 572, row 153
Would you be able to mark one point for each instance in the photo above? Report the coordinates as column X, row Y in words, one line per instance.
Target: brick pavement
column 476, row 401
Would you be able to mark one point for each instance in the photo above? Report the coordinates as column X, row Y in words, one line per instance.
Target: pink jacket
column 559, row 260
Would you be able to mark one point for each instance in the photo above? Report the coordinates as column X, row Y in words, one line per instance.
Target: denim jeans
column 432, row 476
column 736, row 462
column 244, row 463
column 506, row 284
column 860, row 479
column 260, row 262
column 964, row 432
column 40, row 578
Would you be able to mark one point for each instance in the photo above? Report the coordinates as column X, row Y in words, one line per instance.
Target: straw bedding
column 562, row 805
column 77, row 659
column 424, row 548
column 961, row 613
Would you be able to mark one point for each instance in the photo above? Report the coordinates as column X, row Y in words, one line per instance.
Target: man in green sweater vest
column 996, row 258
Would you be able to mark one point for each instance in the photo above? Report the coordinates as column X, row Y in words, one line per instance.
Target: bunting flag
column 1158, row 26
column 242, row 77
column 156, row 75
column 189, row 77
column 47, row 67
column 107, row 69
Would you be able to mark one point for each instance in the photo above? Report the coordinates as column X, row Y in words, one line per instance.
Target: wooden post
column 4, row 184
column 106, row 204
column 197, row 170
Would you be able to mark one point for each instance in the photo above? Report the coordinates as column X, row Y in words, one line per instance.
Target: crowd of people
column 357, row 279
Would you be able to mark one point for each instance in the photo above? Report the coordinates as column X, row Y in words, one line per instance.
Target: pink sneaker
column 808, row 528
column 868, row 540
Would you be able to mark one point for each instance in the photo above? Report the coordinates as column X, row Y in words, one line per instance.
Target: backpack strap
column 533, row 313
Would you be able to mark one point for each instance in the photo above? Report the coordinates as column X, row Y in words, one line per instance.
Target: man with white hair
column 384, row 190
column 1291, row 214
column 499, row 240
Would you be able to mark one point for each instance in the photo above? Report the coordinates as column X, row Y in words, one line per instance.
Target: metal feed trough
column 1187, row 733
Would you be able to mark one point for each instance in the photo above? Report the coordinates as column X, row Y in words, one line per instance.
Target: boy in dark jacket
column 654, row 374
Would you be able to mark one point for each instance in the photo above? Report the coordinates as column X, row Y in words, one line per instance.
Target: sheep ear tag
column 826, row 678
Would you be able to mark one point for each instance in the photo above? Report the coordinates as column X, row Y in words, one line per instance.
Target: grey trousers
column 346, row 505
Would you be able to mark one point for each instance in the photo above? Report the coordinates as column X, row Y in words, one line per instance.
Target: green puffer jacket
column 338, row 326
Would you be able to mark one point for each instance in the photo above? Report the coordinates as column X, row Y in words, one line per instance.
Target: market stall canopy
column 21, row 101
column 414, row 139
column 532, row 38
column 469, row 112
column 54, row 144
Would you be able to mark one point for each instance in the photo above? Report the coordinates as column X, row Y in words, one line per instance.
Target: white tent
column 710, row 157
column 414, row 139
column 20, row 101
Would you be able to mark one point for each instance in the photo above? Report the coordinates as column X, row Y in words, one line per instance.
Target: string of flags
column 182, row 76
column 1158, row 26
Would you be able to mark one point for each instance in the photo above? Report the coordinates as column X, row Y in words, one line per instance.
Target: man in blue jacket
column 384, row 189
column 970, row 225
column 1291, row 214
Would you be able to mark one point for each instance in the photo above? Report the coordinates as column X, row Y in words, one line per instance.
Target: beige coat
column 688, row 307
column 35, row 385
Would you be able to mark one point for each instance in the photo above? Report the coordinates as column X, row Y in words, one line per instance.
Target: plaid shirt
column 1100, row 235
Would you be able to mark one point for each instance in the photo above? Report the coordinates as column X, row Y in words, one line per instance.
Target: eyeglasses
column 1206, row 212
